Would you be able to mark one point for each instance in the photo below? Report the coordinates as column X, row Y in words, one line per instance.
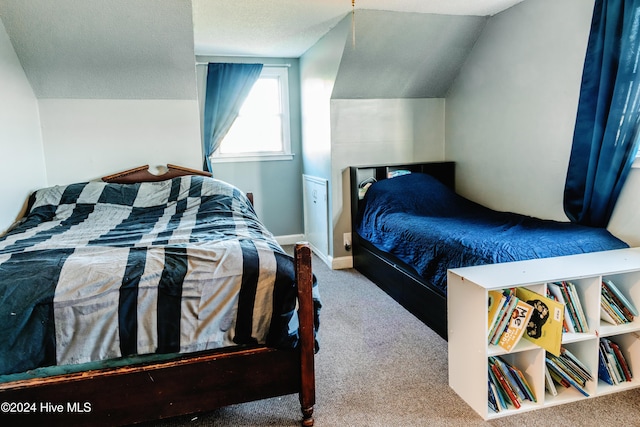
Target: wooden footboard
column 191, row 384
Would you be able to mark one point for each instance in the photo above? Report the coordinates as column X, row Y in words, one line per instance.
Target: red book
column 621, row 360
column 505, row 385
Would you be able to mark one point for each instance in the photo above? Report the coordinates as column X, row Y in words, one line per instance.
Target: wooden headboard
column 142, row 174
column 442, row 171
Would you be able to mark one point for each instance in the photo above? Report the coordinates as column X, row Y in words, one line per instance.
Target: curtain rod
column 264, row 65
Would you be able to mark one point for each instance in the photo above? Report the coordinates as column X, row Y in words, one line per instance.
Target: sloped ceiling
column 114, row 49
column 145, row 49
column 404, row 55
column 288, row 28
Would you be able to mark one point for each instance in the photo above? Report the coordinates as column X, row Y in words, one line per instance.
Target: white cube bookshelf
column 467, row 324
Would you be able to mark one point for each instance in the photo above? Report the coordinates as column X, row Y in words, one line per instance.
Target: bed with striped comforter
column 97, row 271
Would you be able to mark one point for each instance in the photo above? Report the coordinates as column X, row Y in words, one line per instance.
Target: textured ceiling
column 404, row 55
column 287, row 28
column 145, row 49
column 122, row 49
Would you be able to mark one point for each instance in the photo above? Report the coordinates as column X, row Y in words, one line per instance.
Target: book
column 524, row 384
column 511, row 378
column 500, row 394
column 498, row 317
column 622, row 362
column 545, row 325
column 571, row 310
column 558, row 379
column 577, row 305
column 504, row 319
column 575, row 362
column 607, row 314
column 553, row 366
column 496, row 300
column 615, row 371
column 604, row 370
column 612, row 309
column 493, row 401
column 618, row 308
column 548, row 382
column 516, row 326
column 620, row 296
column 572, row 367
column 504, row 384
column 554, row 289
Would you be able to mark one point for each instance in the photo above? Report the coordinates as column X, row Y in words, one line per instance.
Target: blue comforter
column 428, row 226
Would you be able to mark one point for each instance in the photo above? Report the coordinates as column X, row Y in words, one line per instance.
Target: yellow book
column 545, row 325
column 496, row 301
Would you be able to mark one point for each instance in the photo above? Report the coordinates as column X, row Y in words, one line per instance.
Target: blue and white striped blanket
column 97, row 271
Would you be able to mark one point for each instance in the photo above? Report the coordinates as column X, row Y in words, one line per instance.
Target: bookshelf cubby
column 467, row 336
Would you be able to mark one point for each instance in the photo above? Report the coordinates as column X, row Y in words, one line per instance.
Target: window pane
column 262, row 125
column 264, row 98
column 251, row 135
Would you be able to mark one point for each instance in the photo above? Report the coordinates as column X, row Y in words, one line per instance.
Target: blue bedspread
column 430, row 227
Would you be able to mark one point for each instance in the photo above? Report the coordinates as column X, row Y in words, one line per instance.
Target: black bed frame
column 399, row 280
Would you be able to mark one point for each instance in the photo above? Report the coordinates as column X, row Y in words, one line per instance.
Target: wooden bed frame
column 192, row 383
column 396, row 278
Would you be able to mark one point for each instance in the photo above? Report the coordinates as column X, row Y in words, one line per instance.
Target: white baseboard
column 290, row 239
column 341, row 262
column 333, row 263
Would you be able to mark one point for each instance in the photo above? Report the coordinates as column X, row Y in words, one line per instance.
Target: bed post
column 304, row 280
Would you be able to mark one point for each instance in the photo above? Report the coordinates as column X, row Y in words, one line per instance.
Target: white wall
column 338, row 133
column 22, row 167
column 88, row 138
column 318, row 70
column 378, row 131
column 511, row 113
column 625, row 221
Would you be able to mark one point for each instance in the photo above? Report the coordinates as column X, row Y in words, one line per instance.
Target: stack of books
column 507, row 386
column 566, row 370
column 612, row 366
column 508, row 318
column 614, row 306
column 574, row 317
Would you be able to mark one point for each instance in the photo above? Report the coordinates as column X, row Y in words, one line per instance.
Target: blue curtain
column 605, row 138
column 227, row 87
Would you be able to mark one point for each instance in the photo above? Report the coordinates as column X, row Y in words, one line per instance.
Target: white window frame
column 282, row 74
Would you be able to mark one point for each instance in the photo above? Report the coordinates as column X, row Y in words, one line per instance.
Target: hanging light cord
column 353, row 23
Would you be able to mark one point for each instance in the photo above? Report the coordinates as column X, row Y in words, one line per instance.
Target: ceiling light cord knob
column 353, row 23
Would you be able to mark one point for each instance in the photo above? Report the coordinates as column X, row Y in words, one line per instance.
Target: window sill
column 252, row 158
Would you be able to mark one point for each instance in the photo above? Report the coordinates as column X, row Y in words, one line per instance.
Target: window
column 261, row 130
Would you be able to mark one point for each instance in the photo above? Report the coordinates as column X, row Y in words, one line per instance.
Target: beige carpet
column 379, row 366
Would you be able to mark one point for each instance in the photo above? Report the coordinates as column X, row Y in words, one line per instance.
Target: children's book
column 620, row 296
column 504, row 384
column 577, row 306
column 496, row 301
column 604, row 370
column 553, row 366
column 545, row 325
column 554, row 289
column 548, row 382
column 518, row 322
column 504, row 319
column 622, row 362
